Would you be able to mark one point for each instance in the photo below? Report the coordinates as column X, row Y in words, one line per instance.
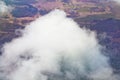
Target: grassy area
column 96, row 17
column 84, row 9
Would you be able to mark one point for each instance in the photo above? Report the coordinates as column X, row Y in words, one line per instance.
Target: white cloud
column 117, row 1
column 54, row 47
column 4, row 9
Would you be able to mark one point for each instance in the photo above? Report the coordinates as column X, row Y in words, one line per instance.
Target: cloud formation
column 116, row 1
column 4, row 9
column 54, row 47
